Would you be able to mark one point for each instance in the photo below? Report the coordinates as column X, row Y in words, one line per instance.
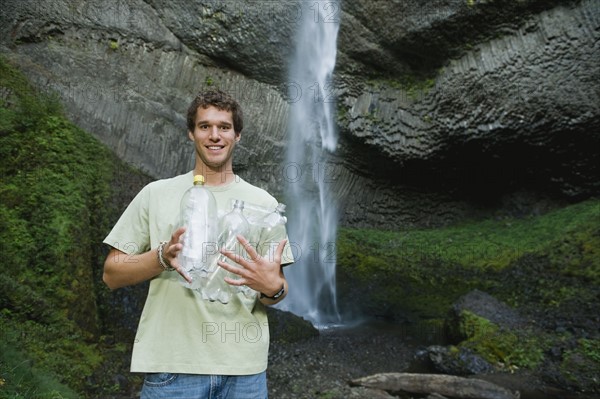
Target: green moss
column 471, row 326
column 507, row 349
column 415, row 86
column 53, row 213
column 488, row 244
column 332, row 394
column 581, row 365
column 578, row 254
column 421, row 272
column 342, row 113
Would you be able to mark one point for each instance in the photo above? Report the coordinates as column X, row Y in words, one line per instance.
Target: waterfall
column 312, row 136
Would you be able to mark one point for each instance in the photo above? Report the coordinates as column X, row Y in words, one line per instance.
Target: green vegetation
column 21, row 379
column 548, row 264
column 343, row 115
column 581, row 365
column 114, row 44
column 506, row 349
column 414, row 86
column 55, row 206
column 488, row 244
column 53, row 215
column 419, row 273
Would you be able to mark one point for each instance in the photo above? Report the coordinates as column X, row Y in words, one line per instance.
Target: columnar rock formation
column 443, row 106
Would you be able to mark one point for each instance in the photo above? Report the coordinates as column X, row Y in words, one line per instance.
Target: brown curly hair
column 220, row 100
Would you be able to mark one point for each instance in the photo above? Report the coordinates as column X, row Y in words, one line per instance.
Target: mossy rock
column 287, row 327
column 478, row 313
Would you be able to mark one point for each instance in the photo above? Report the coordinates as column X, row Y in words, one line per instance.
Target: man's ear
column 238, row 136
column 190, row 135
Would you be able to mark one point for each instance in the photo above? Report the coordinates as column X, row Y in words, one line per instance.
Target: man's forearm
column 121, row 269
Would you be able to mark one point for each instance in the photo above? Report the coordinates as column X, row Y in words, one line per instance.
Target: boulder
column 457, row 361
column 482, row 305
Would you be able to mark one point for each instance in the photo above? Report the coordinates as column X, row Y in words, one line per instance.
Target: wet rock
column 457, row 361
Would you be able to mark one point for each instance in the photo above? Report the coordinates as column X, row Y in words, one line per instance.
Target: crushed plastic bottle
column 259, row 228
column 232, row 225
column 198, row 256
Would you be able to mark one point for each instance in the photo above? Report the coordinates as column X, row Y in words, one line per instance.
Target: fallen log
column 447, row 385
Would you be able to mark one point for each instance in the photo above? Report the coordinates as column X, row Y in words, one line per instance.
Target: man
column 189, row 347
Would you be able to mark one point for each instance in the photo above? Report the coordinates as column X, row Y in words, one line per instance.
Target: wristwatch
column 276, row 296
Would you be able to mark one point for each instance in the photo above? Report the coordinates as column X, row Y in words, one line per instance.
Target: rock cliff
column 444, row 107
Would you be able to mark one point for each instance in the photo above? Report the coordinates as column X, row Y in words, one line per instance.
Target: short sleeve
column 272, row 239
column 131, row 233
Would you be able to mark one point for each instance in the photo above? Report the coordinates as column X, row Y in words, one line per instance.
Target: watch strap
column 276, row 296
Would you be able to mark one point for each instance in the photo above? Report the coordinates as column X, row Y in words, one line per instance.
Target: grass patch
column 488, row 244
column 423, row 271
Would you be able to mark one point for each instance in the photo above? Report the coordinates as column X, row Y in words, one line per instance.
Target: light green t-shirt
column 179, row 332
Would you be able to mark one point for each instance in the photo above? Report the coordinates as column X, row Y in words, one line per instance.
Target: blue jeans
column 194, row 386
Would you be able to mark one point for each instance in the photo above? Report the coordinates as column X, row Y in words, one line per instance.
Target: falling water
column 312, row 213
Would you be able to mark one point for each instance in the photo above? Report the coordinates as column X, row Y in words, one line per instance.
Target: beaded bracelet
column 165, row 265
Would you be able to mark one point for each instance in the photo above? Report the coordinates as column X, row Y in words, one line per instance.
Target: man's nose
column 214, row 132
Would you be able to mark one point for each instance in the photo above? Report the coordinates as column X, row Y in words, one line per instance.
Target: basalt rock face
column 519, row 110
column 443, row 106
column 127, row 78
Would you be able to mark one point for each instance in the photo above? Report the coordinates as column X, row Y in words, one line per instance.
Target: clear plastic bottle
column 270, row 222
column 275, row 218
column 231, row 225
column 199, row 216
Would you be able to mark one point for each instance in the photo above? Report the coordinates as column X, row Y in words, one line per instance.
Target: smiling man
column 189, row 347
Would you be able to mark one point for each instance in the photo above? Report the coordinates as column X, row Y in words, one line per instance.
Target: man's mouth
column 215, row 147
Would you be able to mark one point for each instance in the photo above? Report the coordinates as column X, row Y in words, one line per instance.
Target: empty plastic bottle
column 232, row 225
column 199, row 216
column 270, row 222
column 275, row 218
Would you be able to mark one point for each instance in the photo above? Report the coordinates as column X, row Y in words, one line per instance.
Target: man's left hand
column 262, row 274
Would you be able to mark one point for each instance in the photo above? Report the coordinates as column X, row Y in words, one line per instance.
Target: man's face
column 214, row 138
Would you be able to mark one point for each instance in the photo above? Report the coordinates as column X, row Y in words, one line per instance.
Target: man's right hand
column 121, row 269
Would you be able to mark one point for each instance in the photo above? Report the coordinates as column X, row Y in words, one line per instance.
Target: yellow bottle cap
column 198, row 179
